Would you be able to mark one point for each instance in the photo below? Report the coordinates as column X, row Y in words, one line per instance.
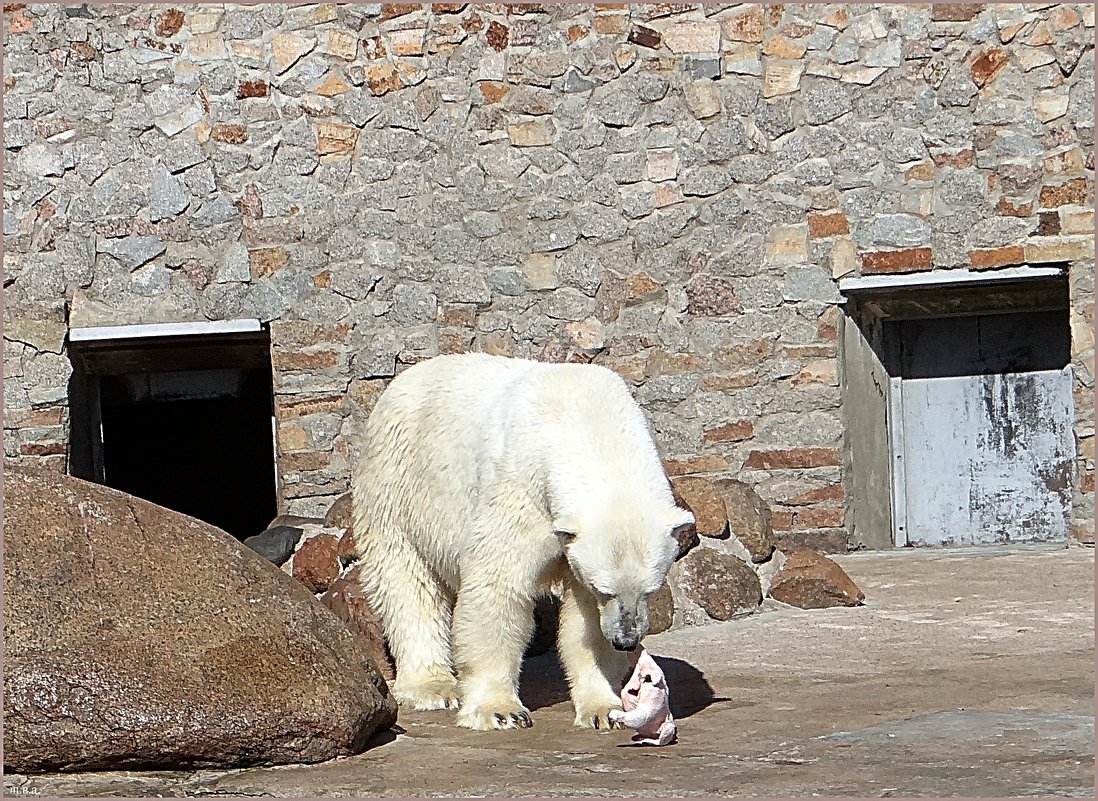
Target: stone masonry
column 671, row 190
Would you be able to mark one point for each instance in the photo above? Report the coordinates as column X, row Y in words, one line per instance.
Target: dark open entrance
column 182, row 421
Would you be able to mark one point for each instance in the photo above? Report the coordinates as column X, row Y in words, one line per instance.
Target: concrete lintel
column 940, row 278
column 99, row 333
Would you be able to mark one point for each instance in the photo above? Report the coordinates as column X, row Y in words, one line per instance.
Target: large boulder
column 748, row 518
column 316, row 563
column 701, row 497
column 723, row 585
column 810, row 581
column 138, row 637
column 340, row 515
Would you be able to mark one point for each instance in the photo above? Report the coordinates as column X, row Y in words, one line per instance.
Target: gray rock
column 750, row 169
column 886, row 54
column 413, row 304
column 39, row 160
column 704, row 67
column 996, row 232
column 894, row 231
column 507, row 282
column 617, row 105
column 725, row 140
column 276, row 544
column 166, row 197
column 215, row 211
column 456, row 284
column 599, row 223
column 551, row 236
column 569, row 304
column 652, row 88
column 809, row 282
column 905, row 145
column 575, row 82
column 133, row 251
column 824, row 100
column 150, row 280
column 705, row 181
column 957, row 88
column 235, row 265
column 775, row 118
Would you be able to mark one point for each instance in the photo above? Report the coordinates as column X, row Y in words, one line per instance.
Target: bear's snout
column 626, row 643
column 628, row 623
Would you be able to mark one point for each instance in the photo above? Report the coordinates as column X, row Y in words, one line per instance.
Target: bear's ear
column 566, row 529
column 680, row 518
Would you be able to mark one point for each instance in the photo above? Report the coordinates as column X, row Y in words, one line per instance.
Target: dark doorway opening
column 182, row 421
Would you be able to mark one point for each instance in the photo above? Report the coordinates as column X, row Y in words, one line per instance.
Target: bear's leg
column 595, row 669
column 415, row 609
column 493, row 622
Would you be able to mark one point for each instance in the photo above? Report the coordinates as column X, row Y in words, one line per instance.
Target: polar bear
column 482, row 482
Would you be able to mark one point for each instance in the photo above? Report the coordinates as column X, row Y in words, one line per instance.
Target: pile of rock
column 728, row 564
column 737, row 564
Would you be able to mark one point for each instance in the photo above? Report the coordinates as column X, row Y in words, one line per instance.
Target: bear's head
column 622, row 554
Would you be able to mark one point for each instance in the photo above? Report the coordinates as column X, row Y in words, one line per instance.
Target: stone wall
column 670, row 190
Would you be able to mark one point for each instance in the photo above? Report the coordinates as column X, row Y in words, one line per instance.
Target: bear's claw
column 597, row 717
column 518, row 719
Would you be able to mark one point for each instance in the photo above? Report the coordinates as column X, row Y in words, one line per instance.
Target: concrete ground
column 968, row 672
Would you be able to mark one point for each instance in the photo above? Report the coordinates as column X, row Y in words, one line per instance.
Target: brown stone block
column 722, row 585
column 229, row 134
column 832, row 492
column 897, row 261
column 265, row 261
column 817, row 517
column 290, row 361
column 730, row 432
column 988, row 65
column 824, row 224
column 709, row 463
column 497, row 36
column 251, row 89
column 701, row 498
column 1068, row 193
column 996, row 257
column 645, row 37
column 955, row 12
column 793, row 458
column 300, row 408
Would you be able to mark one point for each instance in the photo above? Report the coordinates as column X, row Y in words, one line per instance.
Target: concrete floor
column 968, row 672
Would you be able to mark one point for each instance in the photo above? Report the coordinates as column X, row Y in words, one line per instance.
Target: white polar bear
column 485, row 480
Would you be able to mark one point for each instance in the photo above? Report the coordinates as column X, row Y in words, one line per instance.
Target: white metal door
column 984, row 450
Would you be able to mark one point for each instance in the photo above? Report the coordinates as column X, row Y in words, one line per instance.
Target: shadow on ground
column 543, row 684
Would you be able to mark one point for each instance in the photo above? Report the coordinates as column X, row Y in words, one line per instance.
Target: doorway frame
column 877, row 514
column 89, row 392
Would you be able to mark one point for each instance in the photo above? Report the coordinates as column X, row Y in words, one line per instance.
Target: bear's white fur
column 485, row 480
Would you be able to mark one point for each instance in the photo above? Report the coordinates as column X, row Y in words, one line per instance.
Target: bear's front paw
column 599, row 714
column 498, row 716
column 428, row 692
